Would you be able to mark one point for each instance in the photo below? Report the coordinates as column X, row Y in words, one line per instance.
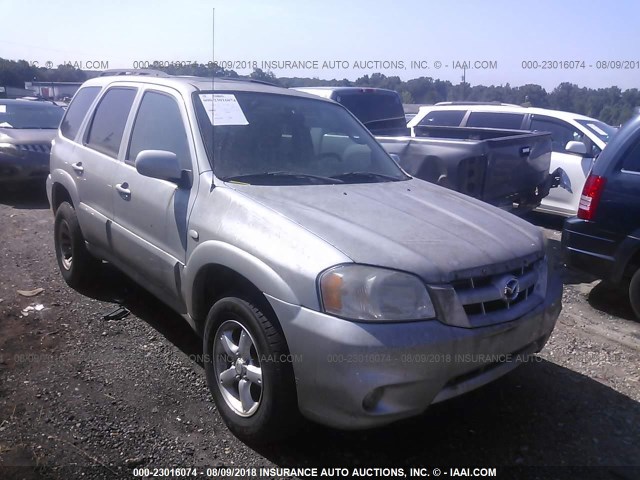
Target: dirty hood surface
column 408, row 225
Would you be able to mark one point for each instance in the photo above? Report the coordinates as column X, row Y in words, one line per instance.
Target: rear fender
column 628, row 249
column 61, row 177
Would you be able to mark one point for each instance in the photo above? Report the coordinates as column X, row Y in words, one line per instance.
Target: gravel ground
column 80, row 395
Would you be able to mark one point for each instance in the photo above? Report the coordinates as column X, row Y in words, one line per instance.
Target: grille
column 491, row 295
column 35, row 147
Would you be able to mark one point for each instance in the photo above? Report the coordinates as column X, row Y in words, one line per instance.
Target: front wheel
column 249, row 371
column 634, row 292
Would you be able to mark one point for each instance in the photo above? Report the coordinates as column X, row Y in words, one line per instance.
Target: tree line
column 611, row 105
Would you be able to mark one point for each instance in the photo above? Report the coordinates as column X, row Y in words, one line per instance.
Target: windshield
column 269, row 139
column 30, row 115
column 600, row 129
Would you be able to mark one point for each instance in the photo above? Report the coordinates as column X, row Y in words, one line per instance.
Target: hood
column 409, row 225
column 27, row 136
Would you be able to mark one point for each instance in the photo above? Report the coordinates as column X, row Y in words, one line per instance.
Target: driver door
column 151, row 215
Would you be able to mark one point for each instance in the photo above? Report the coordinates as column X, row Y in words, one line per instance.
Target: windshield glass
column 269, row 139
column 30, row 115
column 600, row 129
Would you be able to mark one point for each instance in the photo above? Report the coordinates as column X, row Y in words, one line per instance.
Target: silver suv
column 322, row 278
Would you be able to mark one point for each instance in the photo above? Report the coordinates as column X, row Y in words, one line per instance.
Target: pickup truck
column 379, row 109
column 506, row 168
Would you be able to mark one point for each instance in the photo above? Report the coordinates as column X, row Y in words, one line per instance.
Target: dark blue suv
column 604, row 239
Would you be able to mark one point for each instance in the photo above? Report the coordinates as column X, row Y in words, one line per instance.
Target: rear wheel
column 76, row 264
column 249, row 371
column 634, row 293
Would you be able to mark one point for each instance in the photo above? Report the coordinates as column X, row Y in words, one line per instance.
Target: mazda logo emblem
column 511, row 290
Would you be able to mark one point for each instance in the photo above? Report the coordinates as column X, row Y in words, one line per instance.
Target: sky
column 591, row 43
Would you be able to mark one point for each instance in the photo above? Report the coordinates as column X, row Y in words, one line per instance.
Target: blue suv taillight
column 590, row 197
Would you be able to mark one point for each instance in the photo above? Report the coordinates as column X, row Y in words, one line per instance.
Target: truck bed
column 506, row 168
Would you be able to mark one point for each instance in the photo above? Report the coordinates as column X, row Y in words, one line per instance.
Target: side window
column 631, row 161
column 109, row 120
column 77, row 111
column 159, row 126
column 512, row 121
column 561, row 132
column 443, row 118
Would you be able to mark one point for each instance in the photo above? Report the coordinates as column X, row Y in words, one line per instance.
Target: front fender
column 214, row 252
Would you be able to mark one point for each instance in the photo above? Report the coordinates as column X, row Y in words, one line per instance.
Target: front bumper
column 23, row 166
column 359, row 375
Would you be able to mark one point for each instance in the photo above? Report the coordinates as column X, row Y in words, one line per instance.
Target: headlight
column 360, row 292
column 8, row 145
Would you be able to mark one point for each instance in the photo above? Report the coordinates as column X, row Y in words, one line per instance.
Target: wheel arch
column 217, row 269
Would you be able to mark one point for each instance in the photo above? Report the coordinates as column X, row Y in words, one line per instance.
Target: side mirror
column 160, row 164
column 576, row 147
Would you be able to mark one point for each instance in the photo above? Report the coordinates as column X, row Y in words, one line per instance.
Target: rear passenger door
column 94, row 162
column 151, row 215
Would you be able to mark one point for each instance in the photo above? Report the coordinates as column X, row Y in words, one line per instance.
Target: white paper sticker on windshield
column 596, row 129
column 3, row 109
column 223, row 109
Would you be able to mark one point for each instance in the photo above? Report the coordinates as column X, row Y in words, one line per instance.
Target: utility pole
column 464, row 83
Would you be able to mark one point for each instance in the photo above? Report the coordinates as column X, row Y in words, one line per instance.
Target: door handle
column 77, row 167
column 123, row 189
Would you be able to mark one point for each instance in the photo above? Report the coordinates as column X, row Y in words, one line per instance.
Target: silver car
column 323, row 279
column 26, row 130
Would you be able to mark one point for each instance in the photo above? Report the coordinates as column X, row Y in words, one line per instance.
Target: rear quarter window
column 511, row 121
column 77, row 111
column 631, row 160
column 443, row 118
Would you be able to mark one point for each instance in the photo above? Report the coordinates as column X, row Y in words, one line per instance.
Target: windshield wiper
column 366, row 176
column 248, row 176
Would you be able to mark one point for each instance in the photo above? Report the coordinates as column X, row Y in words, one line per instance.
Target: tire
column 76, row 264
column 634, row 293
column 242, row 341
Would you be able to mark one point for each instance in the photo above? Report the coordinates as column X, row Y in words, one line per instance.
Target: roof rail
column 130, row 71
column 251, row 80
column 477, row 103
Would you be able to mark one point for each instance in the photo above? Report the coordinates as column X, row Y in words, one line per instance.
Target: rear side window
column 107, row 126
column 511, row 121
column 159, row 126
column 372, row 106
column 631, row 161
column 77, row 111
column 443, row 118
